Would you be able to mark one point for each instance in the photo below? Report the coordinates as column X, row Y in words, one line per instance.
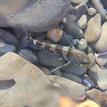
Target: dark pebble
column 75, row 69
column 28, row 55
column 49, row 59
column 72, row 77
column 8, row 37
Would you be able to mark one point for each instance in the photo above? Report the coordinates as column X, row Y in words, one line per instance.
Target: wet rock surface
column 66, row 39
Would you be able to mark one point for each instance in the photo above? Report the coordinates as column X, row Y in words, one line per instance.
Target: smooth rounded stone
column 54, row 34
column 98, row 96
column 99, row 75
column 28, row 55
column 8, row 37
column 78, row 57
column 36, row 16
column 82, row 22
column 87, row 81
column 100, row 8
column 101, row 44
column 92, row 11
column 73, row 30
column 72, row 77
column 66, row 40
column 49, row 59
column 59, row 36
column 77, row 2
column 75, row 69
column 4, row 48
column 71, row 18
column 93, row 30
column 82, row 44
column 12, row 66
column 77, row 91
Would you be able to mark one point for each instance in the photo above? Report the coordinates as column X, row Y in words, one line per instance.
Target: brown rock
column 101, row 44
column 98, row 96
column 54, row 34
column 82, row 22
column 28, row 79
column 93, row 30
column 76, row 90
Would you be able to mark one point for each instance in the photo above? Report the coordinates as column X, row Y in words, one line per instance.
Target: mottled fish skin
column 64, row 50
column 41, row 15
column 98, row 5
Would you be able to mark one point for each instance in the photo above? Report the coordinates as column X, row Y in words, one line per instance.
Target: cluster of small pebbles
column 84, row 27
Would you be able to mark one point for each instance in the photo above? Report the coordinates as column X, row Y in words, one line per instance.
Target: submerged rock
column 93, row 30
column 22, row 72
column 37, row 16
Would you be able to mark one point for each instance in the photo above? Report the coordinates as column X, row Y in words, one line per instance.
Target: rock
column 48, row 59
column 8, row 37
column 82, row 44
column 78, row 57
column 80, row 9
column 99, row 75
column 54, row 34
column 28, row 55
column 72, row 77
column 71, row 18
column 99, row 7
column 82, row 22
column 92, row 11
column 98, row 96
column 101, row 44
column 86, row 80
column 77, row 91
column 71, row 28
column 66, row 40
column 4, row 48
column 23, row 73
column 93, row 30
column 75, row 69
column 34, row 21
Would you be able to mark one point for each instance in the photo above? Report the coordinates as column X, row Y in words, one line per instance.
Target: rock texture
column 93, row 30
column 37, row 16
column 101, row 44
column 28, row 79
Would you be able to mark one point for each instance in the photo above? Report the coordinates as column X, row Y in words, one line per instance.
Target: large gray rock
column 37, row 16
